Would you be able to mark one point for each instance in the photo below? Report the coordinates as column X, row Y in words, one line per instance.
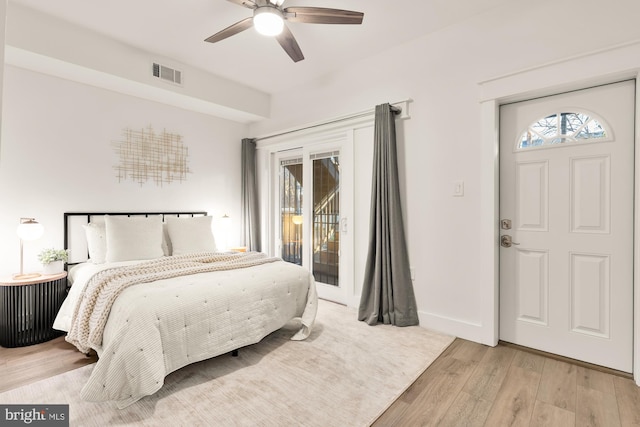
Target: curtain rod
column 396, row 110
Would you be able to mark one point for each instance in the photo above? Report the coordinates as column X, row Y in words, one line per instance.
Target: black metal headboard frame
column 89, row 215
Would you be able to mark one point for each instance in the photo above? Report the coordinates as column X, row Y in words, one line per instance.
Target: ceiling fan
column 269, row 16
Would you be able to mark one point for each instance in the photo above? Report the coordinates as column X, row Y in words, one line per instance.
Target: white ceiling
column 177, row 29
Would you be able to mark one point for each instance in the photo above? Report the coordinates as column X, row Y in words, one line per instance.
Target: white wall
column 3, row 22
column 43, row 43
column 443, row 140
column 56, row 156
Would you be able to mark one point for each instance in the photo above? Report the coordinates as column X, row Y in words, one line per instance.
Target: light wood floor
column 474, row 385
column 25, row 365
column 468, row 385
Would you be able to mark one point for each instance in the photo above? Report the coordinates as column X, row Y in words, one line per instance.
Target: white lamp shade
column 30, row 230
column 268, row 21
column 296, row 219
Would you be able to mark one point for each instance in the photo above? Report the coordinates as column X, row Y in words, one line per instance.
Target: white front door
column 566, row 203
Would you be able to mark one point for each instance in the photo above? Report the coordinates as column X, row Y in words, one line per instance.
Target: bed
column 150, row 294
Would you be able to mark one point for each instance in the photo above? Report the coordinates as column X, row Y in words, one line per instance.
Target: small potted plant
column 53, row 260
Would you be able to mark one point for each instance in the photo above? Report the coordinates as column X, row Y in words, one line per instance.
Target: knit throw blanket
column 92, row 310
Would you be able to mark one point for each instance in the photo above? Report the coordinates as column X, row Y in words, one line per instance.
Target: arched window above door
column 561, row 128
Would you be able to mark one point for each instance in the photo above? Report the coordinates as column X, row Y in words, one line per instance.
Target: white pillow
column 133, row 238
column 96, row 242
column 191, row 234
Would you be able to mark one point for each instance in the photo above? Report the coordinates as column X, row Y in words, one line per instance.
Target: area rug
column 345, row 374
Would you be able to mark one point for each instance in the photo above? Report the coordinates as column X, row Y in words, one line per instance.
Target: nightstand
column 29, row 307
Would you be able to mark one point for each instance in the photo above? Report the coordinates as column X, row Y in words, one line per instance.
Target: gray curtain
column 387, row 291
column 249, row 193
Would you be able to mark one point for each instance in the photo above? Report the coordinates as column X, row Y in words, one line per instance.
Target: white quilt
column 156, row 328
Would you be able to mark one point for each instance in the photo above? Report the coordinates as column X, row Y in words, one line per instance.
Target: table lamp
column 29, row 229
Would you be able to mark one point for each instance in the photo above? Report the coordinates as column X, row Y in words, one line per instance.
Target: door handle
column 506, row 241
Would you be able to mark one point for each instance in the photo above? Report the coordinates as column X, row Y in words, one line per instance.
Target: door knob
column 506, row 242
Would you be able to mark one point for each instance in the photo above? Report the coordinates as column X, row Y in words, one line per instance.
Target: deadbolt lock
column 505, row 224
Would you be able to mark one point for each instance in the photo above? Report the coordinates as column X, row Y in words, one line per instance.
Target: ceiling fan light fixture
column 268, row 21
column 269, row 16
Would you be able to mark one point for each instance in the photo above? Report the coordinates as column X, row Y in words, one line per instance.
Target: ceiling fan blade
column 234, row 29
column 290, row 45
column 250, row 4
column 322, row 15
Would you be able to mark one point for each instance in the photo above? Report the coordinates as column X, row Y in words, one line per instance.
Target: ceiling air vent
column 166, row 73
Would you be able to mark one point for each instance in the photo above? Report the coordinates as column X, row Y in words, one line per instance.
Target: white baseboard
column 456, row 327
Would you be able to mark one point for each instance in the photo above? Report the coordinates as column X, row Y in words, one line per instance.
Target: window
column 326, row 217
column 291, row 210
column 562, row 128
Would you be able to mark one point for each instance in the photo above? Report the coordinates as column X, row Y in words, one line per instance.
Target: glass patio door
column 310, row 219
column 326, row 218
column 291, row 186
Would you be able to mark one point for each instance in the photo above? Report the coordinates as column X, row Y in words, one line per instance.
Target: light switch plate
column 458, row 188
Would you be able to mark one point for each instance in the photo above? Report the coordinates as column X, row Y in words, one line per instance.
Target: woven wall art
column 144, row 155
